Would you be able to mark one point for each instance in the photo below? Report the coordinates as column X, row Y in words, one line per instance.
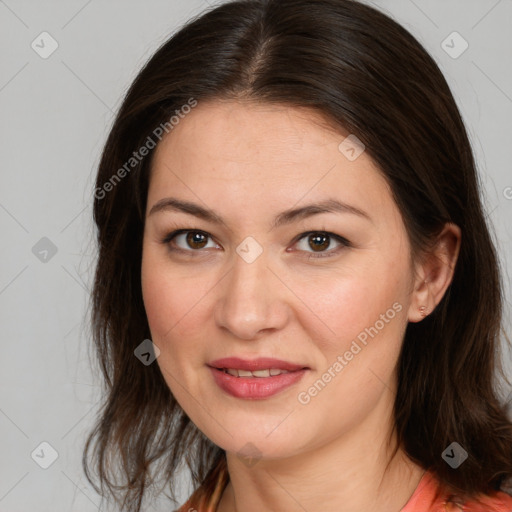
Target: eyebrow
column 286, row 217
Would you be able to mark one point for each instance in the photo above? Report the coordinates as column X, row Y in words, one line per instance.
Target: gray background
column 55, row 115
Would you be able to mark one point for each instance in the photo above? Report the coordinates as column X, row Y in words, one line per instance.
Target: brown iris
column 196, row 240
column 318, row 241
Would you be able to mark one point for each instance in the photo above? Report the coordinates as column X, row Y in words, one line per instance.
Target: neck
column 357, row 471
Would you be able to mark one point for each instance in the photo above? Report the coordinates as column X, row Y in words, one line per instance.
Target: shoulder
column 498, row 502
column 429, row 497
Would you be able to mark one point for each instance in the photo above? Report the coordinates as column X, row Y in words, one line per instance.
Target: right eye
column 188, row 240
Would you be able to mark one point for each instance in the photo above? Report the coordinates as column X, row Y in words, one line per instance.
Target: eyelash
column 322, row 254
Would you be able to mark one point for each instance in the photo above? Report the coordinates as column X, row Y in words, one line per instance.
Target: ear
column 435, row 273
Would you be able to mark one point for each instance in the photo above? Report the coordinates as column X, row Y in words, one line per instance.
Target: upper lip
column 262, row 363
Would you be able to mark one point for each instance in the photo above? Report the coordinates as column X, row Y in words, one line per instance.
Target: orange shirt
column 422, row 499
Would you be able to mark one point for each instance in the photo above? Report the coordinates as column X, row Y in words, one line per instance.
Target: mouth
column 269, row 372
column 255, row 379
column 256, row 365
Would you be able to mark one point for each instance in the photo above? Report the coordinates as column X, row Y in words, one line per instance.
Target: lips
column 255, row 379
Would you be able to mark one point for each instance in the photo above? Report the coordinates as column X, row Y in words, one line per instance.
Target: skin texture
column 249, row 162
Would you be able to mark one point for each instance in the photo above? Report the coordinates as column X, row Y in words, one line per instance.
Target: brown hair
column 370, row 76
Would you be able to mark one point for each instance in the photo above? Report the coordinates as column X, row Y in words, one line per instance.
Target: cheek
column 353, row 300
column 357, row 362
column 160, row 301
column 173, row 308
column 172, row 297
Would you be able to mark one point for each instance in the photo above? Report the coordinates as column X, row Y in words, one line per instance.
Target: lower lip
column 255, row 388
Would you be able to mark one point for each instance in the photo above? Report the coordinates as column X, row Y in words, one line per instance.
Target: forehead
column 241, row 154
column 233, row 129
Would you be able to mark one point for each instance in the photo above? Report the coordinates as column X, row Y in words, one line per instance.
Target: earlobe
column 435, row 274
column 421, row 303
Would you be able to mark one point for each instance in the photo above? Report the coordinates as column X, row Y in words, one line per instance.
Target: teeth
column 256, row 373
column 261, row 373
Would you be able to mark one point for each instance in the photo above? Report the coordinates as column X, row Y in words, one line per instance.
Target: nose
column 251, row 301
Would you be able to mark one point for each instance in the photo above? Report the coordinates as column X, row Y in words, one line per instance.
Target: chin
column 268, row 439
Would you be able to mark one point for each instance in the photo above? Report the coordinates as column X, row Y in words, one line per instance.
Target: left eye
column 320, row 241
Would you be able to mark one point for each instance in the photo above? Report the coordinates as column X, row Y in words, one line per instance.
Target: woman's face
column 262, row 274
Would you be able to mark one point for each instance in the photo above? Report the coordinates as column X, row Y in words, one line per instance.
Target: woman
column 297, row 293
